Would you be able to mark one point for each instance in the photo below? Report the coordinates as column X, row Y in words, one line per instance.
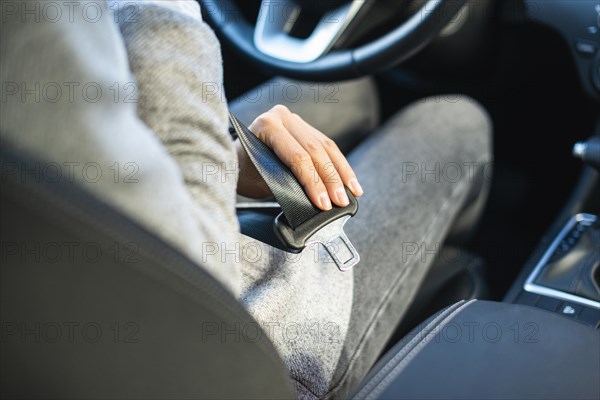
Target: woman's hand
column 315, row 160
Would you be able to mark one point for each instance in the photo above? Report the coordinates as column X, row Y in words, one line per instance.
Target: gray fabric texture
column 406, row 215
column 328, row 326
column 89, row 132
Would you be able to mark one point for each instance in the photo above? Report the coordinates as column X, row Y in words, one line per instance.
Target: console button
column 590, row 316
column 548, row 303
column 586, row 48
column 570, row 309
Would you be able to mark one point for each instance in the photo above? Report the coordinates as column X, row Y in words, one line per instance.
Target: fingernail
column 355, row 187
column 342, row 197
column 325, row 202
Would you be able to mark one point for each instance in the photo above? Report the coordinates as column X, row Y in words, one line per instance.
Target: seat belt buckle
column 326, row 228
column 310, row 225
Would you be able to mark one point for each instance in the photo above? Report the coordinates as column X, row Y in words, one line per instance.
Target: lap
column 416, row 171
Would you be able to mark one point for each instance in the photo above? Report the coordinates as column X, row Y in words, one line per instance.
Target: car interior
column 511, row 311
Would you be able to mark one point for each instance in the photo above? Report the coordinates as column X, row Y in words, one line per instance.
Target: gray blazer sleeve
column 70, row 99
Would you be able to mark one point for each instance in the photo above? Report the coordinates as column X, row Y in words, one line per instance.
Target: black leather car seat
column 94, row 306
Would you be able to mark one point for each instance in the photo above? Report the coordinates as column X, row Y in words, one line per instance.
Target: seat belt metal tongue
column 326, row 228
column 301, row 223
column 337, row 244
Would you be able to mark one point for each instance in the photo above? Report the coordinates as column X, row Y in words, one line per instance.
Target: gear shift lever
column 574, row 266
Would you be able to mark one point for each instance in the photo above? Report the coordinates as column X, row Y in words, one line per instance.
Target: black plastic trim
column 295, row 239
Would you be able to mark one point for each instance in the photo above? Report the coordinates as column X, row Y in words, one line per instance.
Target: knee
column 462, row 132
column 454, row 123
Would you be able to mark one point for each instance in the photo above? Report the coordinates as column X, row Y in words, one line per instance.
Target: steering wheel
column 270, row 45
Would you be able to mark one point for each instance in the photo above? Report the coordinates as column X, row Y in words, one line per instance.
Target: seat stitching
column 413, row 353
column 406, row 349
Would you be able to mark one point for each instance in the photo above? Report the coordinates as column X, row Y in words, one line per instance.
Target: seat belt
column 298, row 222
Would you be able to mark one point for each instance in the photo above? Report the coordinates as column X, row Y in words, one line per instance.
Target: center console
column 563, row 274
column 566, row 278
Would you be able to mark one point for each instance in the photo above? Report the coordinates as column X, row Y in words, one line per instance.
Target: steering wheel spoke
column 277, row 18
column 270, row 44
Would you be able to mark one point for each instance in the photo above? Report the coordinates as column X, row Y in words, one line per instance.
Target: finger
column 343, row 167
column 306, row 136
column 270, row 130
column 339, row 161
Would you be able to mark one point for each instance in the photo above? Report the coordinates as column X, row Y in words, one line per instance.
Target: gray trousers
column 418, row 170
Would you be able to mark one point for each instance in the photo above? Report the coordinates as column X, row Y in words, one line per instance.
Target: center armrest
column 485, row 350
